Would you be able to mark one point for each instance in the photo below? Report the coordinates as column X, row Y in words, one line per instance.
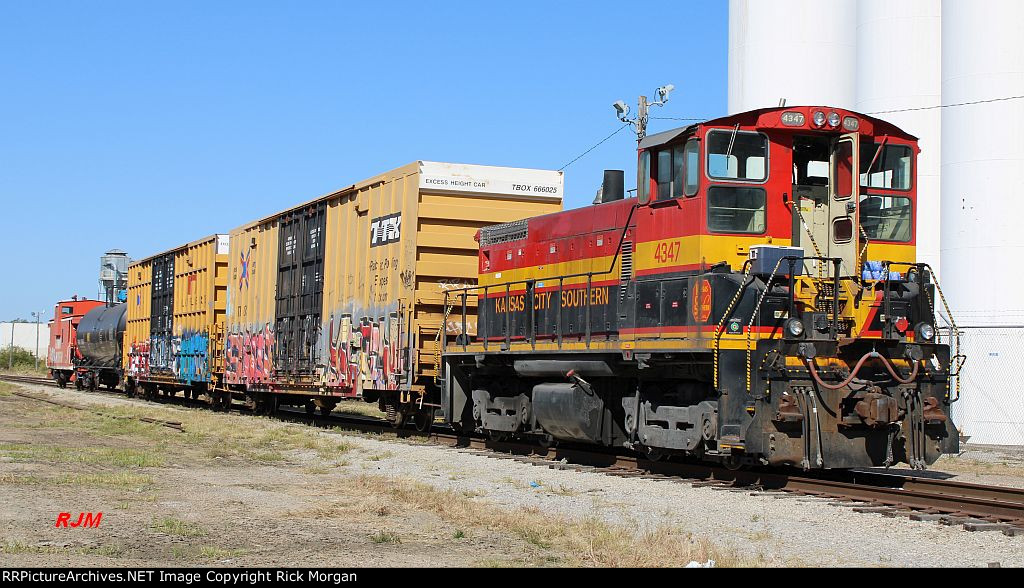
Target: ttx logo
column 85, row 519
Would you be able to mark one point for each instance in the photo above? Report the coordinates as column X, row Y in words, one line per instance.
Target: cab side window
column 678, row 171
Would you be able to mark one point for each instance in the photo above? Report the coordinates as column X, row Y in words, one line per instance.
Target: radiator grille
column 504, row 233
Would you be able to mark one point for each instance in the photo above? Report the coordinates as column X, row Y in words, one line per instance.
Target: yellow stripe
column 697, row 249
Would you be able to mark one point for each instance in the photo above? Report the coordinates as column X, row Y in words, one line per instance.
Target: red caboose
column 63, row 349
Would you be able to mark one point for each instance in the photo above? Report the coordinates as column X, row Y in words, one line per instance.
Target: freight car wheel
column 423, row 419
column 310, row 408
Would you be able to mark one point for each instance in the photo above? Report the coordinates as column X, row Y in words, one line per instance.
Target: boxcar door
column 844, row 232
column 300, row 285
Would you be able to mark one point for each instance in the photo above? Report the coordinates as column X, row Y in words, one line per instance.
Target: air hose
column 856, row 369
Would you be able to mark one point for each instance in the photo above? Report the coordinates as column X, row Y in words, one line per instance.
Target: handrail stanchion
column 508, row 315
column 561, row 285
column 590, row 278
column 835, row 298
column 465, row 329
column 482, row 325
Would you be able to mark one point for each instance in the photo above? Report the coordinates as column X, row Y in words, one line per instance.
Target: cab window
column 888, row 169
column 737, row 156
column 886, row 218
column 736, row 209
column 691, row 154
column 643, row 183
column 673, row 172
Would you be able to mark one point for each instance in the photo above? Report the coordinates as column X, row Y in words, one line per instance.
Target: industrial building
column 952, row 73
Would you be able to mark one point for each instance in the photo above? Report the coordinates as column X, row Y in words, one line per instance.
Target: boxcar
column 175, row 321
column 341, row 297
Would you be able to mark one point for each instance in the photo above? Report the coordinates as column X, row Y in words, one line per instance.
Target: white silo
column 899, row 67
column 982, row 236
column 800, row 50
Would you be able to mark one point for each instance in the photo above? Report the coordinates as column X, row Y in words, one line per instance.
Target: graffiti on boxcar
column 138, row 359
column 161, row 354
column 190, row 357
column 364, row 354
column 249, row 356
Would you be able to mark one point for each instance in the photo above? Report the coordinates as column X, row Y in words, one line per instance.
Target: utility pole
column 643, row 106
column 641, row 119
column 38, row 315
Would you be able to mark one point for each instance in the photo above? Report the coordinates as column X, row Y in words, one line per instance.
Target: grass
column 386, row 537
column 178, row 527
column 358, row 407
column 571, row 542
column 19, row 547
column 125, row 458
column 113, row 480
column 380, row 456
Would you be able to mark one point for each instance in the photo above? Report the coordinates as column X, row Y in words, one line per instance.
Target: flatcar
column 758, row 302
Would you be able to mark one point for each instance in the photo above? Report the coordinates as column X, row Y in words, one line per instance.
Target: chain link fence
column 990, row 407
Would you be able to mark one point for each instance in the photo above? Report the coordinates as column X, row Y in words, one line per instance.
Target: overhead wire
column 692, row 119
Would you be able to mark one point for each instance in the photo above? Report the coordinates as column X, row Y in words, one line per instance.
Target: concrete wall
column 25, row 337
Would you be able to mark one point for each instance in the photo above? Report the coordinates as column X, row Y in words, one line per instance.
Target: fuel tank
column 100, row 334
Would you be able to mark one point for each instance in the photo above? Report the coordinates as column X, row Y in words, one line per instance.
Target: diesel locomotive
column 757, row 302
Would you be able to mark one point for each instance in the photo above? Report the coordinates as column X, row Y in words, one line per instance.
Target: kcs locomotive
column 758, row 302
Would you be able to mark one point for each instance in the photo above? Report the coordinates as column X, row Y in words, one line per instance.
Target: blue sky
column 144, row 125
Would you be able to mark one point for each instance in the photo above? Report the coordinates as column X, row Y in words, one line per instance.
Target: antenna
column 640, row 121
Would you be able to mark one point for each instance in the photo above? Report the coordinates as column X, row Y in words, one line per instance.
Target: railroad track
column 976, row 507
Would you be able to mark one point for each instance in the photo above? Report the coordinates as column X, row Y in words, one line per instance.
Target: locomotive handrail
column 958, row 359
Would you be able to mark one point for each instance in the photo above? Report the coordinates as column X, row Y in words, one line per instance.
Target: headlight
column 833, row 119
column 794, row 327
column 925, row 332
column 819, row 118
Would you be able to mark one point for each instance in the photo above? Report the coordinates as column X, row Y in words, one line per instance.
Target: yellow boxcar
column 343, row 296
column 175, row 319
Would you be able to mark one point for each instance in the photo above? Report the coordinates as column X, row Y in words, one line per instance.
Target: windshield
column 891, row 169
column 886, row 218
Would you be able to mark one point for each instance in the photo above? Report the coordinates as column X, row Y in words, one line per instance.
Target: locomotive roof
column 758, row 119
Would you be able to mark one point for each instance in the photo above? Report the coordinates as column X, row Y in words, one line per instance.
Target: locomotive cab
column 759, row 301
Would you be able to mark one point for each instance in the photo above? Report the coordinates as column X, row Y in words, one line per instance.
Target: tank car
column 758, row 302
column 98, row 339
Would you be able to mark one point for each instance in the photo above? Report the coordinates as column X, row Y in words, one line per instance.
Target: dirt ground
column 238, row 490
column 245, row 491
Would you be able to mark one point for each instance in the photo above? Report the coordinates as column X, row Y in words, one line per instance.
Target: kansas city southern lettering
column 545, row 300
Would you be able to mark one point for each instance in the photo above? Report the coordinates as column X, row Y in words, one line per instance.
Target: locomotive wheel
column 733, row 463
column 652, row 453
column 423, row 419
column 498, row 436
